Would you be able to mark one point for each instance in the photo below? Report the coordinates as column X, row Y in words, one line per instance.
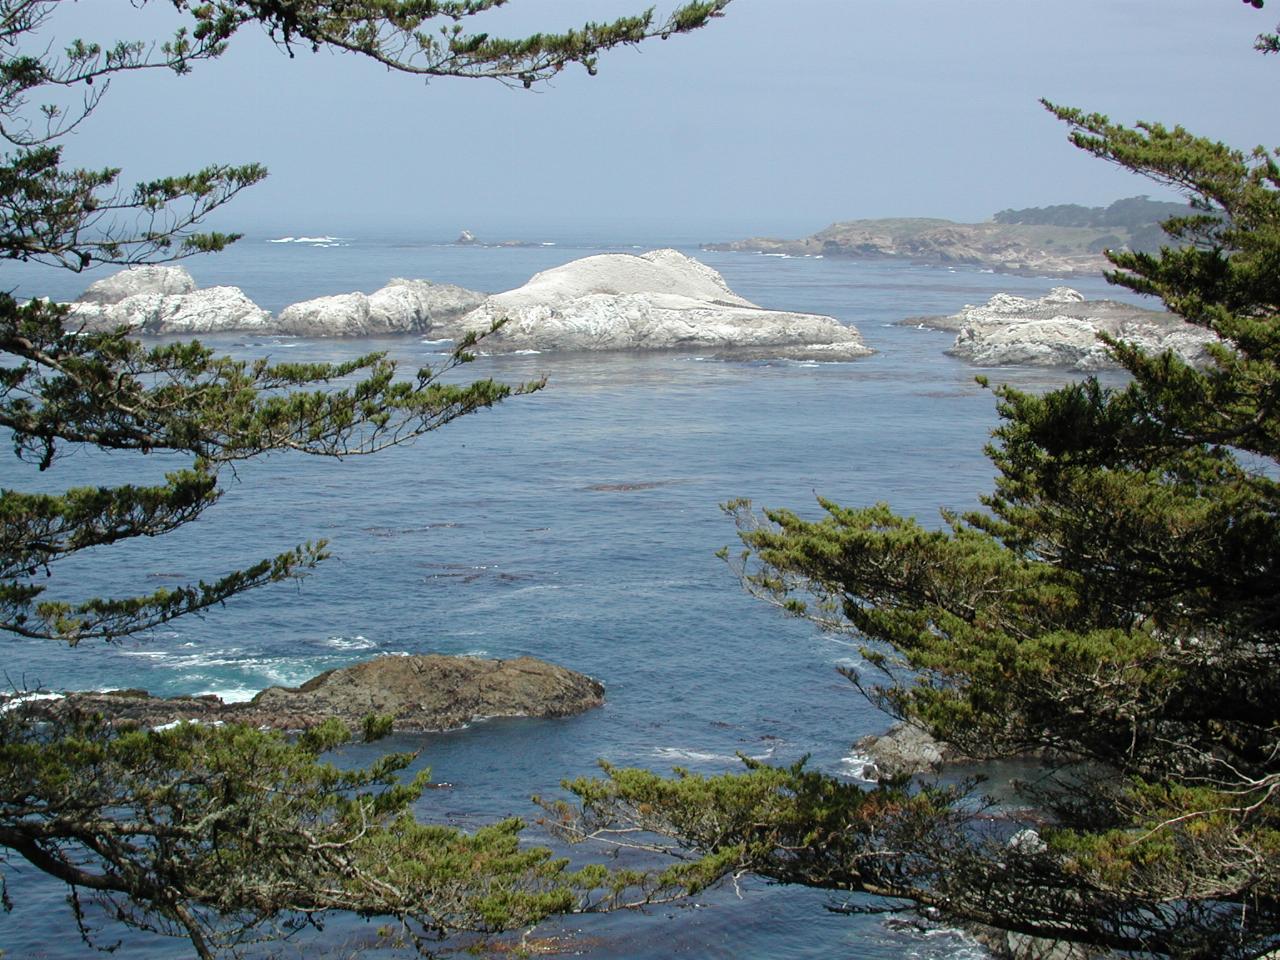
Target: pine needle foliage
column 225, row 835
column 1112, row 611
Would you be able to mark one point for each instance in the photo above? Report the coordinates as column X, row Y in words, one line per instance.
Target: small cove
column 578, row 525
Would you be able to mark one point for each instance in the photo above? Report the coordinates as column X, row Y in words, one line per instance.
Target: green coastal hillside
column 1059, row 239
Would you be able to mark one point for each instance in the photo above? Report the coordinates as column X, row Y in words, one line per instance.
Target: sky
column 776, row 120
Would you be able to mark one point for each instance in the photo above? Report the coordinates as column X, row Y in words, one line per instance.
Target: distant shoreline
column 1005, row 248
column 1062, row 240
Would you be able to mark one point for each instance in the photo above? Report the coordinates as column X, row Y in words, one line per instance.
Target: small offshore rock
column 160, row 280
column 421, row 693
column 1061, row 330
column 902, row 751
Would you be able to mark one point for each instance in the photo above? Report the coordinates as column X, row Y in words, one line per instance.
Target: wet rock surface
column 903, row 750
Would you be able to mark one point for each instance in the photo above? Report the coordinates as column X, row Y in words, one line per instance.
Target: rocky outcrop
column 904, row 750
column 1007, row 945
column 659, row 300
column 211, row 310
column 420, row 693
column 165, row 300
column 1061, row 330
column 163, row 281
column 402, row 306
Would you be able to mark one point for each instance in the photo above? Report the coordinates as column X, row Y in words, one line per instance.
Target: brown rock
column 421, row 693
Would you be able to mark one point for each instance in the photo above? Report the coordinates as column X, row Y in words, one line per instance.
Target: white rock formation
column 659, row 300
column 211, row 310
column 402, row 306
column 1061, row 330
column 132, row 281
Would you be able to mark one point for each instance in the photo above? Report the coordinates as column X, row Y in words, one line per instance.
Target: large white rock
column 211, row 310
column 1061, row 330
column 658, row 300
column 402, row 306
column 132, row 281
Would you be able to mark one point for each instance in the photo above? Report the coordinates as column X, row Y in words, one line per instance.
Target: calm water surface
column 578, row 525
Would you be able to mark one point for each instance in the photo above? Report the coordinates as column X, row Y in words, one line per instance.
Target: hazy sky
column 778, row 119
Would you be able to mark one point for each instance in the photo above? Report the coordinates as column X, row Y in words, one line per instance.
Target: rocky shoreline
column 1007, row 248
column 425, row 693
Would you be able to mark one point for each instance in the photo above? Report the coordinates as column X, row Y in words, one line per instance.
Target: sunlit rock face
column 1062, row 329
column 402, row 306
column 660, row 300
column 211, row 310
column 164, row 281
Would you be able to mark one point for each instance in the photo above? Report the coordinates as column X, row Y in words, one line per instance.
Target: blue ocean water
column 578, row 525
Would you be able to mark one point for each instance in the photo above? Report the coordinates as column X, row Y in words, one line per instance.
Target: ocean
column 579, row 525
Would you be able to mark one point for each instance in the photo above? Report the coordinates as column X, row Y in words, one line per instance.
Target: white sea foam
column 681, row 755
column 358, row 642
column 855, row 767
column 325, row 239
column 937, row 943
column 233, row 694
column 27, row 698
column 684, row 755
column 177, row 723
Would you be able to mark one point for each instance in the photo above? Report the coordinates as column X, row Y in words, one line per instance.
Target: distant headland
column 1058, row 240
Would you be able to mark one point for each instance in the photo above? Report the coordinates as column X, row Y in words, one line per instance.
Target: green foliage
column 1110, row 611
column 788, row 824
column 224, row 835
column 1130, row 213
column 227, row 835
